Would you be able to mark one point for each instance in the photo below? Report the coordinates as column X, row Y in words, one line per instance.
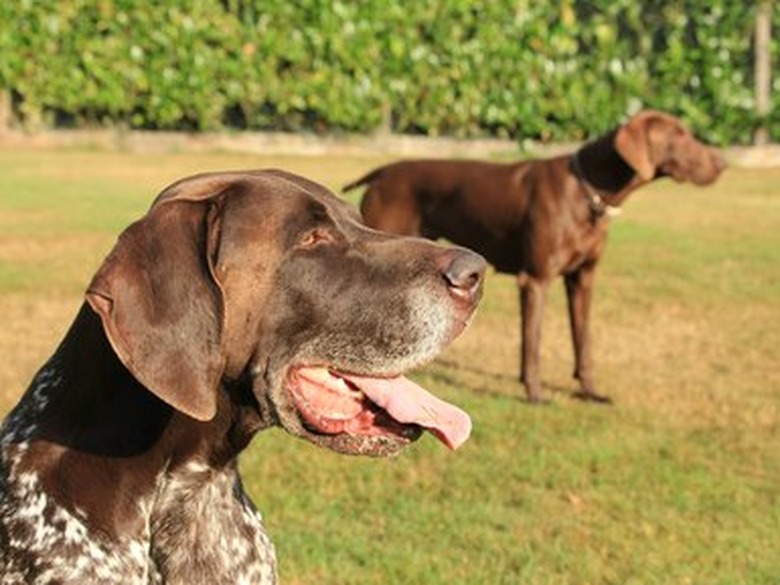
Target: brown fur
column 119, row 464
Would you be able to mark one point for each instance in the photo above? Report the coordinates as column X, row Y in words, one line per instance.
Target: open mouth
column 332, row 402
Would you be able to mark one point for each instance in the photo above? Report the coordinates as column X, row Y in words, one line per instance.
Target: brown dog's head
column 657, row 144
column 267, row 280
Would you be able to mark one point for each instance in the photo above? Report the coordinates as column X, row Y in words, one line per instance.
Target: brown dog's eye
column 314, row 238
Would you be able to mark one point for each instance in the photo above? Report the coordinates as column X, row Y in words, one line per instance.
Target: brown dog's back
column 478, row 204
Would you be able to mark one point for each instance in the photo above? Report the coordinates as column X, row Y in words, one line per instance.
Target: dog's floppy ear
column 161, row 307
column 633, row 144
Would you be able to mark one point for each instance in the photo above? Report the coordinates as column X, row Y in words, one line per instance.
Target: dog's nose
column 464, row 272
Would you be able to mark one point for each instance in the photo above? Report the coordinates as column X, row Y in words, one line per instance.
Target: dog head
column 656, row 144
column 266, row 279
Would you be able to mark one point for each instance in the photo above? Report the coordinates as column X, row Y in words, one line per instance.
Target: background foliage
column 556, row 70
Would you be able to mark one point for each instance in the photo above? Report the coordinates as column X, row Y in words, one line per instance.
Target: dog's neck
column 85, row 416
column 605, row 177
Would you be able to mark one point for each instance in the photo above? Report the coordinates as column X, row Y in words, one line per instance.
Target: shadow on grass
column 450, row 372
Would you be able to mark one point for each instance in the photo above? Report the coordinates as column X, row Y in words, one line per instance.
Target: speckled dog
column 239, row 301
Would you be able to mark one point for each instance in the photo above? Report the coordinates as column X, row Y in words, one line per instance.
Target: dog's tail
column 364, row 180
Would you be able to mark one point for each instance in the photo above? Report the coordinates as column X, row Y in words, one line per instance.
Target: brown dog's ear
column 162, row 309
column 632, row 143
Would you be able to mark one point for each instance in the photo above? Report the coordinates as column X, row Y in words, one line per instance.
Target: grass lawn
column 678, row 482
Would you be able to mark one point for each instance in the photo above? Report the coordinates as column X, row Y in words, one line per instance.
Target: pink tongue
column 407, row 402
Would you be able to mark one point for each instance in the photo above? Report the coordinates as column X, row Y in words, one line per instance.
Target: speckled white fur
column 196, row 512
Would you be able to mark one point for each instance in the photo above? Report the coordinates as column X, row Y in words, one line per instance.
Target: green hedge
column 556, row 70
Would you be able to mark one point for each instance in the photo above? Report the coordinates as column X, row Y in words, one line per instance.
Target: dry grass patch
column 33, row 325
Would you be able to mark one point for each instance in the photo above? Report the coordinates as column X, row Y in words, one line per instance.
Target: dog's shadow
column 490, row 383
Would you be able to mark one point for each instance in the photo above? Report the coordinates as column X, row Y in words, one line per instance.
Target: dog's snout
column 464, row 272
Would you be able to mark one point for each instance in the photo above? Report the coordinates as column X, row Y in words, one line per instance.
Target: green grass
column 677, row 483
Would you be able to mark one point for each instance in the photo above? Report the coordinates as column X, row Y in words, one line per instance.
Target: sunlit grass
column 677, row 483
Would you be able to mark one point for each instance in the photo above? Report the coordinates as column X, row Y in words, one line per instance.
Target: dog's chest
column 198, row 526
column 217, row 536
column 574, row 247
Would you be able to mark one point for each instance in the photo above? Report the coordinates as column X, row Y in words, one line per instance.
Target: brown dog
column 239, row 302
column 539, row 219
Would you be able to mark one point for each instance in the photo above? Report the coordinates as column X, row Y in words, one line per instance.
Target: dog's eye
column 314, row 238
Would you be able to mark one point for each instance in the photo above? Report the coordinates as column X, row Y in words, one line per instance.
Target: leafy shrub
column 558, row 70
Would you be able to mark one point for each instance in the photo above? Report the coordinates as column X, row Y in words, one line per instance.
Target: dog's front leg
column 532, row 297
column 579, row 292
